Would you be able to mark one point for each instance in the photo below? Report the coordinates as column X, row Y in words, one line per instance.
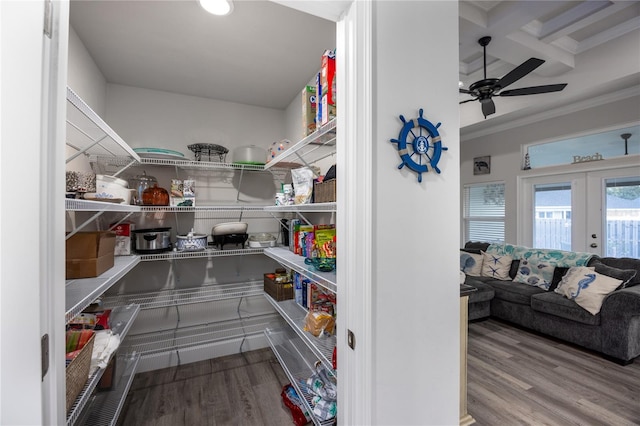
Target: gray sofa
column 613, row 332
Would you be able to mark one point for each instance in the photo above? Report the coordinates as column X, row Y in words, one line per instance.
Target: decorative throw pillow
column 587, row 287
column 471, row 264
column 626, row 275
column 535, row 273
column 496, row 266
column 569, row 277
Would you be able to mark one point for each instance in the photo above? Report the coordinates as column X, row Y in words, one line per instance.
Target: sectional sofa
column 586, row 300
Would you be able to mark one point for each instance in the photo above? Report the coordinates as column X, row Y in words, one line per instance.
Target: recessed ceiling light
column 217, row 7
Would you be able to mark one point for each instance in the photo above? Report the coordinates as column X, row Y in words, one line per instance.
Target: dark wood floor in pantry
column 515, row 378
column 241, row 389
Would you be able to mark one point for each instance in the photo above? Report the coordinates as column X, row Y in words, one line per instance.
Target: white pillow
column 587, row 287
column 471, row 263
column 496, row 266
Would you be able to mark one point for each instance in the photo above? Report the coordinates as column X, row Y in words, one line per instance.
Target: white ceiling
column 264, row 53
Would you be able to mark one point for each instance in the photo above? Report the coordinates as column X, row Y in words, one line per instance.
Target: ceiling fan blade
column 488, row 107
column 468, row 100
column 520, row 71
column 465, row 91
column 533, row 90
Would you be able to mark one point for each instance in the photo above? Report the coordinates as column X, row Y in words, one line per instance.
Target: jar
column 155, row 196
column 140, row 183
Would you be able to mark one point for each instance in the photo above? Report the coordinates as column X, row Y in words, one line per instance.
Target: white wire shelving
column 315, row 147
column 81, row 292
column 311, row 208
column 294, row 315
column 178, row 297
column 209, row 252
column 298, row 363
column 121, row 320
column 88, row 134
column 287, row 258
column 184, row 338
column 105, row 407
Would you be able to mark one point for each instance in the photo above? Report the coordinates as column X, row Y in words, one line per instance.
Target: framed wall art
column 482, row 165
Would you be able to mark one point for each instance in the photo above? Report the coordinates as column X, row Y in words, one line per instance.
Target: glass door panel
column 552, row 216
column 622, row 217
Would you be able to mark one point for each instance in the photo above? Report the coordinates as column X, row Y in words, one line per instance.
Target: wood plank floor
column 514, row 378
column 239, row 389
column 520, row 378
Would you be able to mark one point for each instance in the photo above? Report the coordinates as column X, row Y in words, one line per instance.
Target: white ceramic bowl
column 226, row 228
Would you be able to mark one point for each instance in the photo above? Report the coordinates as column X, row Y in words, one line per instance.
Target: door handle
column 594, row 245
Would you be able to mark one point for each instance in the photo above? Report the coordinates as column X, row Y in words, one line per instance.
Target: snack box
column 123, row 239
column 308, row 110
column 327, row 76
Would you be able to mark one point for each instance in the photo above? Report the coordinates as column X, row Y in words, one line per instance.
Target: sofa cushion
column 496, row 266
column 514, row 292
column 471, row 263
column 535, row 272
column 558, row 273
column 626, row 275
column 475, row 247
column 587, row 287
column 483, row 291
column 552, row 303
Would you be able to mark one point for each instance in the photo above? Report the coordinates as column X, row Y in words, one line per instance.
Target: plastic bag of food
column 302, row 185
column 319, row 323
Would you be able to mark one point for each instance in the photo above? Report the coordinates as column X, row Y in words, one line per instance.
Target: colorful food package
column 309, row 100
column 319, row 323
column 325, row 240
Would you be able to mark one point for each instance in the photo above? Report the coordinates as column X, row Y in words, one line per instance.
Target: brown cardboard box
column 89, row 254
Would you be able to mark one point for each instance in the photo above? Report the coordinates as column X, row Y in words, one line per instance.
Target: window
column 484, row 212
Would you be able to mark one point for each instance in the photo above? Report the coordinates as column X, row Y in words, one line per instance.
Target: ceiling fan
column 483, row 90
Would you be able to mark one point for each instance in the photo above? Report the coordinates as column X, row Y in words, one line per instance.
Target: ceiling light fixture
column 217, row 7
column 626, row 137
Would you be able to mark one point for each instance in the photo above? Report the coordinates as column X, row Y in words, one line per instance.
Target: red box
column 123, row 239
column 327, row 76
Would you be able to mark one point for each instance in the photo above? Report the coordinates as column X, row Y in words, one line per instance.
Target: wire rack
column 315, row 147
column 298, row 363
column 171, row 340
column 291, row 260
column 294, row 314
column 210, row 252
column 210, row 293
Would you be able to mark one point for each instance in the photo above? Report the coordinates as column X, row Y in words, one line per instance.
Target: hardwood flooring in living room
column 516, row 377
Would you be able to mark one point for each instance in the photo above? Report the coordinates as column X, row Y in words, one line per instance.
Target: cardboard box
column 318, row 102
column 308, row 110
column 328, row 111
column 89, row 254
column 328, row 75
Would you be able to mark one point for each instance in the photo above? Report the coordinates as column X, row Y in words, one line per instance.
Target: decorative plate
column 159, row 153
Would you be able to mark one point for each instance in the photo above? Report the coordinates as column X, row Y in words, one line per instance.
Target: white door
column 31, row 271
column 596, row 212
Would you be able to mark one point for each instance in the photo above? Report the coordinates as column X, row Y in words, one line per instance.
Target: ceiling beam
column 575, row 14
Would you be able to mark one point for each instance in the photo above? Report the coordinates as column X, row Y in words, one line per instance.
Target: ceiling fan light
column 217, row 7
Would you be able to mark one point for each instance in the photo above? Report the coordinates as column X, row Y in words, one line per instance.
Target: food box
column 123, row 238
column 89, row 254
column 308, row 110
column 318, row 103
column 328, row 111
column 278, row 291
column 328, row 75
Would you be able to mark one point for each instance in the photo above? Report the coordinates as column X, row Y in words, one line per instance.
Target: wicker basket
column 77, row 372
column 278, row 291
column 324, row 192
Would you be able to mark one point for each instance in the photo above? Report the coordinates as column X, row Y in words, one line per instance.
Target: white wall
column 504, row 147
column 84, row 77
column 415, row 225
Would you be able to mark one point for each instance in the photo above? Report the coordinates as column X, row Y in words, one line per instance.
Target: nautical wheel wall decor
column 419, row 145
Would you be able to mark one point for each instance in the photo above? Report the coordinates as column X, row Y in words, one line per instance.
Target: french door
column 596, row 212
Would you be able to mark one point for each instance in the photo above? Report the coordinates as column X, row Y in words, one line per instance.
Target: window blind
column 484, row 212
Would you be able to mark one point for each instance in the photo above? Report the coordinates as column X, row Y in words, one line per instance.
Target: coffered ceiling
column 264, row 52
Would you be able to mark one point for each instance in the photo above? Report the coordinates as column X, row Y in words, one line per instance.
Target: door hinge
column 351, row 339
column 48, row 18
column 44, row 354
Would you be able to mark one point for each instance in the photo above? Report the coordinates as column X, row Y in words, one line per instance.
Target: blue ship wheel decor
column 419, row 145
